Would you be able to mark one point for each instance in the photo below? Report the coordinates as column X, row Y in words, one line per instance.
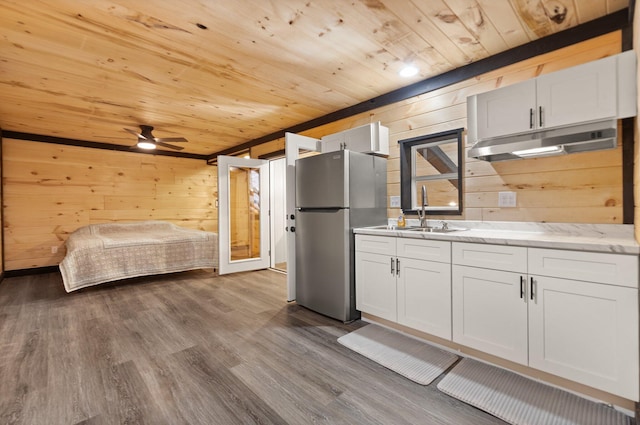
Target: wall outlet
column 54, row 249
column 506, row 199
column 394, row 201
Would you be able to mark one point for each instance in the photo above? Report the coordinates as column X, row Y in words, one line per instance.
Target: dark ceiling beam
column 95, row 145
column 604, row 25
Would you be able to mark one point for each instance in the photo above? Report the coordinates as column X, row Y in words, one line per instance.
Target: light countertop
column 611, row 238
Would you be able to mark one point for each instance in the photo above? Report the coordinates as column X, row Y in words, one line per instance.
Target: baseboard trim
column 27, row 272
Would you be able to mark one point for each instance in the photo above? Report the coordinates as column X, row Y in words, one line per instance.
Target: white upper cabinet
column 575, row 95
column 595, row 91
column 507, row 110
column 370, row 138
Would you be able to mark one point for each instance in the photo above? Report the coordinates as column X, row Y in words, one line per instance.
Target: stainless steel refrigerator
column 335, row 192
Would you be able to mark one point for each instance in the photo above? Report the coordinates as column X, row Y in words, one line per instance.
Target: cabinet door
column 583, row 93
column 370, row 138
column 376, row 285
column 586, row 332
column 489, row 313
column 424, row 296
column 507, row 110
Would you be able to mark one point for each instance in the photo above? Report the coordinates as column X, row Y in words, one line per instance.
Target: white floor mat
column 521, row 401
column 413, row 359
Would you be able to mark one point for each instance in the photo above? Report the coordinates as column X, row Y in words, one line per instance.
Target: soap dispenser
column 401, row 221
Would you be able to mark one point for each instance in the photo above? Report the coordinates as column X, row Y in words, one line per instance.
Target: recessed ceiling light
column 408, row 71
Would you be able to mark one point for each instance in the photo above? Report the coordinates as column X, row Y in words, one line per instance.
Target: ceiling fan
column 146, row 140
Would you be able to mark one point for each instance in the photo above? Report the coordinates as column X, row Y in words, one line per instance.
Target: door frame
column 294, row 143
column 225, row 265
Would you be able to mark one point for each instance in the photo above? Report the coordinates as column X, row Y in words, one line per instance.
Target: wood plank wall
column 51, row 190
column 578, row 188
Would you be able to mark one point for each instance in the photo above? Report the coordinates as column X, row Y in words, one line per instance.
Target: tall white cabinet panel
column 585, row 332
column 507, row 110
column 490, row 312
column 583, row 93
column 376, row 284
column 424, row 296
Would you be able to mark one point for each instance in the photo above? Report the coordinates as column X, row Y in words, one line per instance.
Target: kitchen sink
column 434, row 229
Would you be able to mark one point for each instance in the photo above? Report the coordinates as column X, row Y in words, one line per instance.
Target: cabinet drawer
column 376, row 244
column 497, row 257
column 421, row 249
column 614, row 269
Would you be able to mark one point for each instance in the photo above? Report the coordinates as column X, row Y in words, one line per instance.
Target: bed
column 100, row 253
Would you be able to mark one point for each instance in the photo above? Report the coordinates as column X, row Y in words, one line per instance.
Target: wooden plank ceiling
column 221, row 73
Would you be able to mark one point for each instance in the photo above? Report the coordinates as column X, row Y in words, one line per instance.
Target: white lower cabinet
column 407, row 281
column 376, row 284
column 585, row 331
column 488, row 312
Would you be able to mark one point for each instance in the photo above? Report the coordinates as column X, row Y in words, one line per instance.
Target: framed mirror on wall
column 432, row 161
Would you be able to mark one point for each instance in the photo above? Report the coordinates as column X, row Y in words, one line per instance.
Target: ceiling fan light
column 146, row 145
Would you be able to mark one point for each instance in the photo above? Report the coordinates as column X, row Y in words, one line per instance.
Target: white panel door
column 507, row 110
column 424, row 296
column 243, row 214
column 579, row 94
column 490, row 312
column 585, row 332
column 295, row 147
column 376, row 285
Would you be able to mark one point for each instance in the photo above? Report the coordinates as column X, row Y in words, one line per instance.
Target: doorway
column 278, row 219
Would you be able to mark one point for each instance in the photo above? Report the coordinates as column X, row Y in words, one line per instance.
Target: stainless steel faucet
column 423, row 214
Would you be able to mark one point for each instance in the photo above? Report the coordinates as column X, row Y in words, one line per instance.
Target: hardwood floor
column 193, row 348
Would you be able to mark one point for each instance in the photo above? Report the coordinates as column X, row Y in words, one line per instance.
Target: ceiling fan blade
column 135, row 133
column 170, row 139
column 167, row 145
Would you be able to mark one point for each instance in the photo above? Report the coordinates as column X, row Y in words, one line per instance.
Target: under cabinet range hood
column 560, row 141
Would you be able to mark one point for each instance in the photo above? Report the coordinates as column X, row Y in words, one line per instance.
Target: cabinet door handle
column 522, row 283
column 531, row 294
column 540, row 113
column 393, row 270
column 530, row 117
column 398, row 267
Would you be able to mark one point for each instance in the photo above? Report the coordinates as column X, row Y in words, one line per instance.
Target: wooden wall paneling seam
column 583, row 32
